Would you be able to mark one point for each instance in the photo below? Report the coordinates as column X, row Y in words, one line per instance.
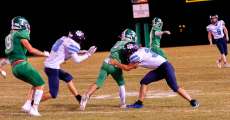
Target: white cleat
column 226, row 65
column 34, row 112
column 123, row 106
column 26, row 108
column 84, row 101
column 3, row 74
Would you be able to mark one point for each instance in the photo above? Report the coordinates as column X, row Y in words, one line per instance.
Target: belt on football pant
column 14, row 63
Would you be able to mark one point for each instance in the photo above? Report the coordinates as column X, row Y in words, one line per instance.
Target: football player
column 127, row 35
column 160, row 69
column 155, row 36
column 62, row 50
column 17, row 43
column 219, row 32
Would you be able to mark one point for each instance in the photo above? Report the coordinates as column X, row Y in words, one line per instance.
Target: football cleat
column 226, row 65
column 135, row 105
column 194, row 103
column 34, row 112
column 123, row 106
column 3, row 73
column 84, row 101
column 26, row 108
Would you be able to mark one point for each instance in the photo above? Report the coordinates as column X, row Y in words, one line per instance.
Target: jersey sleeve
column 208, row 28
column 23, row 34
column 222, row 23
column 73, row 47
column 118, row 46
column 135, row 58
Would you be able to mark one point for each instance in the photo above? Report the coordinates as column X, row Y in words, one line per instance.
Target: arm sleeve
column 158, row 33
column 134, row 58
column 222, row 22
column 79, row 58
column 72, row 48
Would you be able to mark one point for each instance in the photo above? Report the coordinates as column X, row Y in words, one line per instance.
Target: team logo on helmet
column 157, row 23
column 129, row 34
column 20, row 23
column 78, row 35
column 130, row 48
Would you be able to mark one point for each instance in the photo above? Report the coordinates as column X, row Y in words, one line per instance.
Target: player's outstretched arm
column 226, row 33
column 33, row 50
column 123, row 66
column 210, row 37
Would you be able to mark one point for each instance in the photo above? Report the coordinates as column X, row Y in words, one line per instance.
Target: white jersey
column 217, row 30
column 61, row 51
column 147, row 58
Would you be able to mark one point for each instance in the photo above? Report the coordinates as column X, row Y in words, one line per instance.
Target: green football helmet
column 157, row 23
column 20, row 23
column 129, row 34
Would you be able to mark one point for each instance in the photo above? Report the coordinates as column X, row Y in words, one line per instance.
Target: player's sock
column 37, row 98
column 78, row 98
column 32, row 102
column 122, row 94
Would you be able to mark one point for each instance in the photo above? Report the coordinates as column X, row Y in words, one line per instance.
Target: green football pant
column 107, row 69
column 27, row 73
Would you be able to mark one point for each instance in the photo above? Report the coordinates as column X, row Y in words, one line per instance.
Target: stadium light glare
column 193, row 1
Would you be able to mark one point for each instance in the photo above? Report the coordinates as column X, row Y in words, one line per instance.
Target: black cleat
column 194, row 103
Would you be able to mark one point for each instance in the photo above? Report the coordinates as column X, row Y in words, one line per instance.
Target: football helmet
column 77, row 36
column 157, row 23
column 130, row 48
column 129, row 34
column 20, row 23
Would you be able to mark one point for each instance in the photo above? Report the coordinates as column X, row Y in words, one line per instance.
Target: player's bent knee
column 144, row 82
column 120, row 83
column 99, row 85
column 175, row 88
column 67, row 81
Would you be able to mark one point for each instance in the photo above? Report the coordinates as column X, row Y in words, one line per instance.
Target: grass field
column 196, row 72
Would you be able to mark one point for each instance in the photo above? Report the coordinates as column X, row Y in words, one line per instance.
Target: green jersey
column 154, row 40
column 14, row 49
column 155, row 43
column 116, row 50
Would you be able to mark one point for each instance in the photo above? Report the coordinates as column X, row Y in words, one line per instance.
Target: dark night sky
column 104, row 21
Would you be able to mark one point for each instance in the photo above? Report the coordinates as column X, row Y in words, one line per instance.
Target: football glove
column 92, row 50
